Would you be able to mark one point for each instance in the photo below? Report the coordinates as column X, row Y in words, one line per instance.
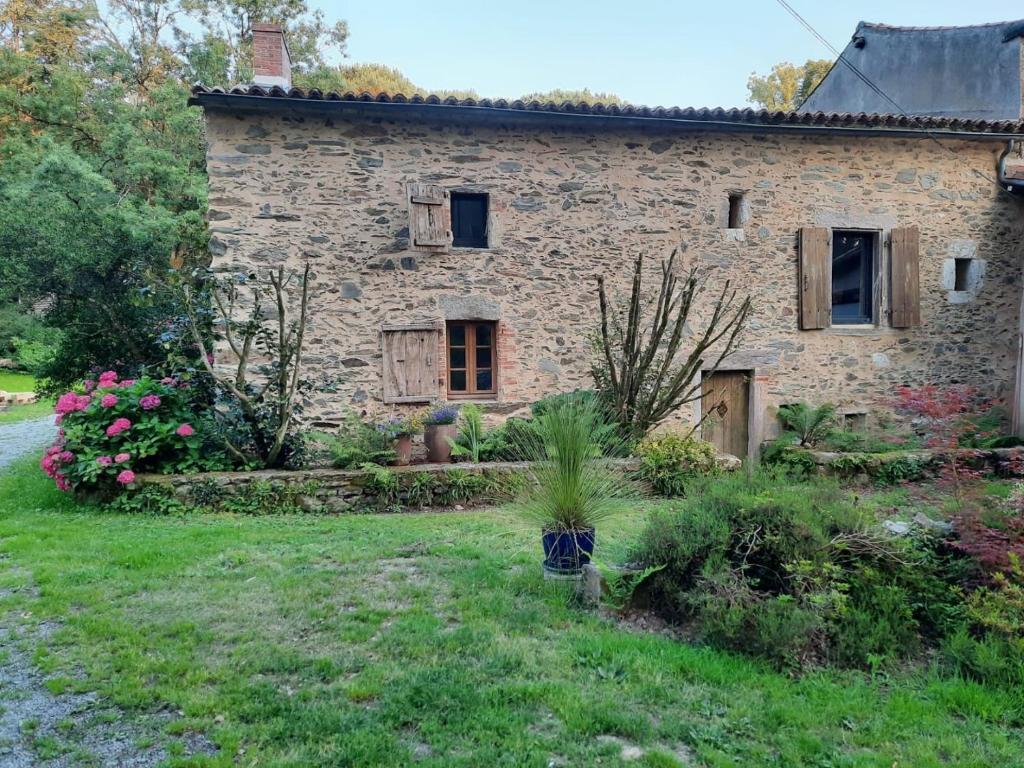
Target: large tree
column 787, row 85
column 102, row 173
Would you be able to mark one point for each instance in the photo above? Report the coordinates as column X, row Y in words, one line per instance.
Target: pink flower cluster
column 118, row 426
column 51, row 463
column 71, row 402
column 149, row 402
column 108, row 401
column 126, row 477
column 185, row 430
column 108, row 379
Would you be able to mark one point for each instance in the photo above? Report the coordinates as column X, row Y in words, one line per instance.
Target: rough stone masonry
column 568, row 203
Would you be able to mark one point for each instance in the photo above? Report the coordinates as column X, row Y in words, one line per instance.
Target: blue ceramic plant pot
column 566, row 552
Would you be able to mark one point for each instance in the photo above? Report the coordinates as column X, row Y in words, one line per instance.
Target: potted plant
column 438, row 430
column 399, row 430
column 573, row 484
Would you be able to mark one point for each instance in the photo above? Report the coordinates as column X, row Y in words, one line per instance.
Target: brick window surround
column 471, row 353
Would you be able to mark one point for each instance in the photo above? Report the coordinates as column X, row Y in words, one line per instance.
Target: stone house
column 455, row 244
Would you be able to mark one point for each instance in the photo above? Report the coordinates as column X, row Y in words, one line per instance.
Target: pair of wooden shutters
column 411, row 362
column 815, row 275
column 430, row 218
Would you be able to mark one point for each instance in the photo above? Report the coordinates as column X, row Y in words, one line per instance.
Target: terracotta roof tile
column 716, row 115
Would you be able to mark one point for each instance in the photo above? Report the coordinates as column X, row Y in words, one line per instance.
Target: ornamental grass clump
column 111, row 430
column 573, row 486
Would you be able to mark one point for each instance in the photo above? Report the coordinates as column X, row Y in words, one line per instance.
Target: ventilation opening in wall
column 735, row 208
column 963, row 268
column 855, row 422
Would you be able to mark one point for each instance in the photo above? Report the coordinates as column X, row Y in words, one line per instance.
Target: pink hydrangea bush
column 111, row 430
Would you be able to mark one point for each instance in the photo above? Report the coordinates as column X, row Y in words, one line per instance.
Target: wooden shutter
column 410, row 363
column 906, row 287
column 815, row 279
column 429, row 218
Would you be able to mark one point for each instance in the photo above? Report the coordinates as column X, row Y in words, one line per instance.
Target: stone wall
column 567, row 205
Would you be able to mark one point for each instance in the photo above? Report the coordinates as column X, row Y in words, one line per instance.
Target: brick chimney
column 271, row 63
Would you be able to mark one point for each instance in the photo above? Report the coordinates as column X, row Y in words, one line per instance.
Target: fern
column 811, row 425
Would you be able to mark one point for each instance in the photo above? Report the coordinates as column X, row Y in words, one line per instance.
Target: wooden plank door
column 728, row 429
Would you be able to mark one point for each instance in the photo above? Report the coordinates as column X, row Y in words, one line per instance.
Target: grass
column 431, row 638
column 34, row 410
column 22, row 382
column 11, row 381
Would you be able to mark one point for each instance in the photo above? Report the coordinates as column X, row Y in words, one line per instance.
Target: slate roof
column 257, row 97
column 972, row 72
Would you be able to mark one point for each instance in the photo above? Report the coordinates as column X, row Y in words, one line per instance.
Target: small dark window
column 963, row 268
column 853, row 258
column 735, row 216
column 472, row 360
column 855, row 422
column 469, row 220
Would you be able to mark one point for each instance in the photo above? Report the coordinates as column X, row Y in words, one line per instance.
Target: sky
column 653, row 52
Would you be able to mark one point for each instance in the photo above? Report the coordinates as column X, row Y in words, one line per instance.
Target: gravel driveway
column 25, row 437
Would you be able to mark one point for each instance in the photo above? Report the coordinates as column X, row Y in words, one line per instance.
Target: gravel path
column 42, row 729
column 23, row 437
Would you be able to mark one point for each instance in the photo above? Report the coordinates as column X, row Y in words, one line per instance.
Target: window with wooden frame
column 472, row 350
column 841, row 274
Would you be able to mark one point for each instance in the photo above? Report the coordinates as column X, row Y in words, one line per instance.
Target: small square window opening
column 853, row 271
column 735, row 210
column 472, row 360
column 963, row 269
column 855, row 422
column 469, row 219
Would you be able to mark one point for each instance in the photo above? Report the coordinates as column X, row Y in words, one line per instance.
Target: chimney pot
column 272, row 63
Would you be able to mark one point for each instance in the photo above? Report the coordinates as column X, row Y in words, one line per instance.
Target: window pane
column 456, row 358
column 457, row 335
column 483, row 357
column 483, row 335
column 457, row 381
column 469, row 220
column 851, row 277
column 483, row 381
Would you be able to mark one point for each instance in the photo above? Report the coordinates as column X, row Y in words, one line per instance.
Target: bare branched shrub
column 647, row 367
column 264, row 393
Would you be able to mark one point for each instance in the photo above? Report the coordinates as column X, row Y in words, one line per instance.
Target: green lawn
column 430, row 639
column 24, row 412
column 11, row 381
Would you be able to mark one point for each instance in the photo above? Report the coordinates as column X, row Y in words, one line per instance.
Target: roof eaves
column 745, row 118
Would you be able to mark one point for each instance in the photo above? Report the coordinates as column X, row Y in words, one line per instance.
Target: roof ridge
column 940, row 28
column 732, row 115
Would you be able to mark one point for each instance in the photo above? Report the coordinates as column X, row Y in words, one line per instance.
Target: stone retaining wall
column 341, row 490
column 997, row 461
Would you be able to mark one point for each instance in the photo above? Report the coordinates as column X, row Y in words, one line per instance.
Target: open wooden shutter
column 429, row 217
column 815, row 279
column 410, row 363
column 906, row 286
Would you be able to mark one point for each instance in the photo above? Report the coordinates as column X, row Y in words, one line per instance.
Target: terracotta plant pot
column 436, row 436
column 403, row 450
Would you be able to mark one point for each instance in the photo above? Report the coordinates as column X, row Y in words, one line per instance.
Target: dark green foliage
column 900, row 470
column 809, row 424
column 512, row 441
column 357, row 443
column 148, row 500
column 673, row 462
column 265, row 497
column 790, row 570
column 26, row 339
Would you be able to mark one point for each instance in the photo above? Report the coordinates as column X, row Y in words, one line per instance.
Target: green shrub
column 148, row 500
column 809, row 424
column 381, row 483
column 357, row 443
column 901, row 469
column 670, row 461
column 792, row 571
column 512, row 441
column 267, row 497
column 784, row 454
